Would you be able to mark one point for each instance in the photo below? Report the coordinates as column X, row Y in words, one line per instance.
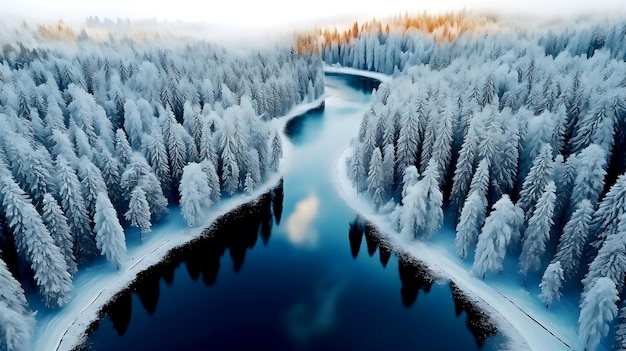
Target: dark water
column 294, row 271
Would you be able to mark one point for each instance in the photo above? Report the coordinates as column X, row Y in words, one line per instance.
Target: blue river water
column 290, row 272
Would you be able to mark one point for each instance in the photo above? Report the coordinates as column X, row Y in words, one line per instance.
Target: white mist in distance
column 278, row 13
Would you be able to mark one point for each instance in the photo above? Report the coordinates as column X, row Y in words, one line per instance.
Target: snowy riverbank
column 95, row 285
column 520, row 315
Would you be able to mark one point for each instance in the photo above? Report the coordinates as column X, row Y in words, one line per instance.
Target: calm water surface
column 288, row 273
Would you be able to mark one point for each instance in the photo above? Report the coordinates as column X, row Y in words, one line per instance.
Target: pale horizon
column 273, row 13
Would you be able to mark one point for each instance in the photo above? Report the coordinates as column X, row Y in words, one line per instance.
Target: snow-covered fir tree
column 110, row 238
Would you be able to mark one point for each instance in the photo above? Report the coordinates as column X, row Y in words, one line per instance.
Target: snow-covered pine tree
column 276, row 151
column 422, row 209
column 214, row 181
column 597, row 310
column 139, row 173
column 611, row 259
column 470, row 223
column 409, row 140
column 612, row 206
column 442, row 148
column 194, row 194
column 110, row 238
column 574, row 239
column 474, row 210
column 388, row 170
column 155, row 152
column 464, row 168
column 551, row 283
column 35, row 244
column 537, row 233
column 72, row 202
column 541, row 172
column 590, row 172
column 92, row 183
column 122, row 147
column 138, row 213
column 375, row 178
column 16, row 323
column 54, row 219
column 494, row 239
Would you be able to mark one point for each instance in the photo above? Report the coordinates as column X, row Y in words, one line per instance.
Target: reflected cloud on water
column 315, row 315
column 300, row 230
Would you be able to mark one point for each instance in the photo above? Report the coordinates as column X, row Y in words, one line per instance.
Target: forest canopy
column 110, row 136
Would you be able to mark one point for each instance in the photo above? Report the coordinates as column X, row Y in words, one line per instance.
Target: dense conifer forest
column 112, row 134
column 517, row 136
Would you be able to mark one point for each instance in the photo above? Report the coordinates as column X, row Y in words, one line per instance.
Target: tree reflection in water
column 236, row 231
column 415, row 276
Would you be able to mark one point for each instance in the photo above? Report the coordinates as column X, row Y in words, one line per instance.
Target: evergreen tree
column 494, row 239
column 409, row 140
column 92, row 183
column 612, row 206
column 611, row 259
column 422, row 209
column 16, row 323
column 590, row 172
column 464, row 168
column 194, row 194
column 73, row 205
column 277, row 152
column 138, row 213
column 470, row 222
column 574, row 238
column 54, row 219
column 122, row 148
column 213, row 180
column 538, row 231
column 34, row 243
column 387, row 169
column 110, row 238
column 598, row 309
column 551, row 283
column 375, row 178
column 538, row 177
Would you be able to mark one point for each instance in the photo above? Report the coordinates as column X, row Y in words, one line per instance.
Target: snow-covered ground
column 357, row 72
column 519, row 314
column 94, row 286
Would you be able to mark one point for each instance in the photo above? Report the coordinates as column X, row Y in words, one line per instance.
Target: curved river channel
column 293, row 271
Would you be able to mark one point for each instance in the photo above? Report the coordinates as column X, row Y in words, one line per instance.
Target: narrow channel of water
column 294, row 271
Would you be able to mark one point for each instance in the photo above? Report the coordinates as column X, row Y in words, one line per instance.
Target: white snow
column 519, row 314
column 336, row 68
column 95, row 285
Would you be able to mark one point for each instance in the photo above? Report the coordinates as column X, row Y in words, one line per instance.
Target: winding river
column 295, row 270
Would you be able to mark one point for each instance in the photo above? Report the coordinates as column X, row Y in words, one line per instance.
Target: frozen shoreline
column 519, row 315
column 97, row 284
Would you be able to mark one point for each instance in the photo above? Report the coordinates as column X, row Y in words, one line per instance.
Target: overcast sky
column 267, row 13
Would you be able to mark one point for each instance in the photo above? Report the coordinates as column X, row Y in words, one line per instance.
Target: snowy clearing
column 97, row 284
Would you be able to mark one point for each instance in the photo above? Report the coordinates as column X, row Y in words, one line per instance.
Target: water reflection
column 478, row 322
column 355, row 235
column 311, row 121
column 316, row 314
column 299, row 224
column 236, row 232
column 362, row 84
column 415, row 276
